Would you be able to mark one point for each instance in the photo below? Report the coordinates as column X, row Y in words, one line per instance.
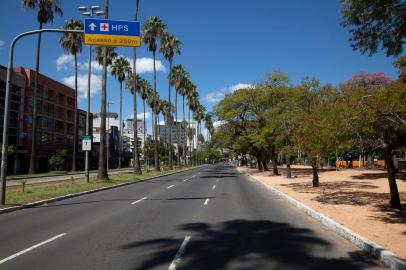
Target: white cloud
column 146, row 64
column 2, row 44
column 95, row 84
column 85, row 66
column 64, row 62
column 214, row 97
column 239, row 86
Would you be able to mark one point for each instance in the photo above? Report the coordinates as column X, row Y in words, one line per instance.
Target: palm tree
column 199, row 116
column 72, row 43
column 46, row 10
column 167, row 110
column 192, row 99
column 145, row 91
column 120, row 69
column 105, row 56
column 136, row 159
column 155, row 104
column 183, row 91
column 152, row 30
column 176, row 78
column 170, row 46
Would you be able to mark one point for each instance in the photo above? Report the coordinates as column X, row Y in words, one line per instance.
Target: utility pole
column 3, row 175
column 93, row 10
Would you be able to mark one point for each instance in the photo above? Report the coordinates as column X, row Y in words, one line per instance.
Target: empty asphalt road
column 207, row 218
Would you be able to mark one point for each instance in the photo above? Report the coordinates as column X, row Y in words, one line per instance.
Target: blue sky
column 226, row 44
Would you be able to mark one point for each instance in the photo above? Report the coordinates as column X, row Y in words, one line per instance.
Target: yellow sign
column 112, row 40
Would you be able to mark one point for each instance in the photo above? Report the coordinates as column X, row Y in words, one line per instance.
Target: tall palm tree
column 120, row 69
column 145, row 91
column 167, row 110
column 176, row 79
column 137, row 166
column 199, row 116
column 154, row 102
column 192, row 98
column 183, row 90
column 72, row 43
column 103, row 56
column 152, row 30
column 46, row 11
column 170, row 46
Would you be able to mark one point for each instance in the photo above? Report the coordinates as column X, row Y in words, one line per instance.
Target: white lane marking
column 171, row 186
column 31, row 248
column 193, row 176
column 214, row 186
column 206, row 201
column 184, row 180
column 179, row 254
column 137, row 201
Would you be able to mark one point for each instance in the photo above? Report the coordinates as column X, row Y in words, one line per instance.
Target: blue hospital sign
column 112, row 33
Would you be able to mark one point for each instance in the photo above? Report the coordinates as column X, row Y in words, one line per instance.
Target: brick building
column 55, row 119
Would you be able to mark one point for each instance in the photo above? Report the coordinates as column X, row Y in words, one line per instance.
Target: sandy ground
column 355, row 198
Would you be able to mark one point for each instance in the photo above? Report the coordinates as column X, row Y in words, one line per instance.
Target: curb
column 64, row 197
column 377, row 251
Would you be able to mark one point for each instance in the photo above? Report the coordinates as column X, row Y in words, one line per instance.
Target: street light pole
column 93, row 10
column 108, row 132
column 3, row 174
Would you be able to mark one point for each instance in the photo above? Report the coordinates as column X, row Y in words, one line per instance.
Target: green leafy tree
column 72, row 43
column 374, row 24
column 46, row 9
column 57, row 160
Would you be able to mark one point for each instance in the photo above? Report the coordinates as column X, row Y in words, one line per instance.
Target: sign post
column 87, row 143
column 112, row 33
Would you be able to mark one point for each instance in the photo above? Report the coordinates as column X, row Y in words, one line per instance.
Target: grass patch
column 32, row 193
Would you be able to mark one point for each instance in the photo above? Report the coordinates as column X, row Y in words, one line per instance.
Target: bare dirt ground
column 356, row 198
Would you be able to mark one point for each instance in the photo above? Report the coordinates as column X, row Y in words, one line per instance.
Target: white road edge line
column 184, row 180
column 214, row 186
column 137, row 201
column 193, row 176
column 206, row 201
column 179, row 254
column 31, row 248
column 171, row 186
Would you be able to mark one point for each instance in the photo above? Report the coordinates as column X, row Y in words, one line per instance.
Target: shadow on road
column 249, row 244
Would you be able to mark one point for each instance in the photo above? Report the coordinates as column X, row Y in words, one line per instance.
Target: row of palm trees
column 156, row 38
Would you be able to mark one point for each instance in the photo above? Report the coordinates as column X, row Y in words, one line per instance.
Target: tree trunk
column 315, row 180
column 136, row 157
column 75, row 122
column 177, row 128
column 32, row 168
column 288, row 169
column 156, row 154
column 170, row 119
column 391, row 170
column 259, row 164
column 264, row 165
column 370, row 161
column 120, row 146
column 184, row 132
column 145, row 132
column 274, row 162
column 102, row 171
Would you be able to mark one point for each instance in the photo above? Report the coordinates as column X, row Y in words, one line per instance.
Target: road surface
column 207, row 218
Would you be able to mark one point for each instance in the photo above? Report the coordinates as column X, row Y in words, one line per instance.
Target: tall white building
column 112, row 123
column 128, row 134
